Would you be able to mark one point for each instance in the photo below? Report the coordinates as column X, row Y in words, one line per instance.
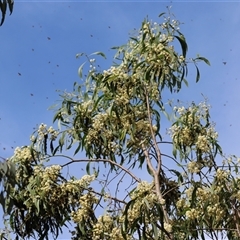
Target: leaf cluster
column 4, row 4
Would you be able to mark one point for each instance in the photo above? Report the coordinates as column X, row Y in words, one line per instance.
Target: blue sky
column 40, row 40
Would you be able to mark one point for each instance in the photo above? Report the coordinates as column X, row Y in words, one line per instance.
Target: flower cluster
column 222, row 175
column 39, row 188
column 143, row 194
column 22, row 155
column 103, row 225
column 141, row 190
column 194, row 167
column 168, row 227
column 207, row 205
column 48, row 176
column 203, row 143
column 85, row 210
column 211, row 202
column 53, row 133
column 193, row 128
column 107, row 228
column 44, row 132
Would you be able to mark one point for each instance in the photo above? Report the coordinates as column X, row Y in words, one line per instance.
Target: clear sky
column 40, row 40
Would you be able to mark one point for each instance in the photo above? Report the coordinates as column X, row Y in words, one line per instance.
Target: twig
column 112, row 198
column 100, row 160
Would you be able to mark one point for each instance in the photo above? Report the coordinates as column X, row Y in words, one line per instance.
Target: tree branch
column 99, row 160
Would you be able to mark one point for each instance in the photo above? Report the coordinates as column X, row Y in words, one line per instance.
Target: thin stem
column 112, row 198
column 100, row 160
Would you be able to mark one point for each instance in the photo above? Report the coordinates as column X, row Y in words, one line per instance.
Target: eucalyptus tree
column 112, row 125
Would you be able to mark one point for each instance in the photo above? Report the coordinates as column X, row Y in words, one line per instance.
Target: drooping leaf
column 161, row 14
column 45, row 144
column 178, row 174
column 174, row 151
column 185, row 81
column 55, row 150
column 198, row 74
column 183, row 44
column 56, row 116
column 10, row 5
column 77, row 149
column 88, row 168
column 2, row 201
column 3, row 7
column 204, row 59
column 80, row 69
column 62, row 140
column 51, row 146
column 155, row 231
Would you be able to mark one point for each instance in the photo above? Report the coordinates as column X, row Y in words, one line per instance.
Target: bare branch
column 112, row 198
column 99, row 160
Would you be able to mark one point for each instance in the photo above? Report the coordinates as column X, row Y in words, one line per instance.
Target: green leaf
column 174, row 152
column 10, row 5
column 38, row 205
column 198, row 74
column 56, row 116
column 183, row 43
column 161, row 14
column 149, row 171
column 79, row 55
column 3, row 6
column 97, row 102
column 70, row 144
column 185, row 81
column 141, row 160
column 80, row 70
column 62, row 140
column 98, row 53
column 88, row 168
column 134, row 39
column 194, row 196
column 51, row 146
column 204, row 59
column 218, row 148
column 2, row 201
column 155, row 230
column 123, row 134
column 45, row 144
column 147, row 203
column 77, row 149
column 55, row 150
column 178, row 174
column 183, row 74
column 166, row 114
